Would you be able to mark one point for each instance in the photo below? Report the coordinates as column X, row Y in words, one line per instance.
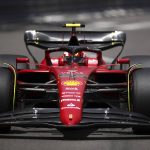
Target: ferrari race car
column 77, row 89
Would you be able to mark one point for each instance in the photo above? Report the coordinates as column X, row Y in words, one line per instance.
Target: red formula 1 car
column 78, row 89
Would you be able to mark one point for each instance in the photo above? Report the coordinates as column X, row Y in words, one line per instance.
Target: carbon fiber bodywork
column 101, row 118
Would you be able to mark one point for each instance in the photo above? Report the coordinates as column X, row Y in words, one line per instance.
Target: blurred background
column 131, row 16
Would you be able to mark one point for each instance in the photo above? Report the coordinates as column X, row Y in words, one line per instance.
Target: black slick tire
column 6, row 94
column 140, row 95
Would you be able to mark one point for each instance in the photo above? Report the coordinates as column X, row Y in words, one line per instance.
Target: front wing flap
column 96, row 117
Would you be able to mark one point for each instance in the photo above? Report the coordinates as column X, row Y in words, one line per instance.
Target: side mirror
column 123, row 61
column 22, row 62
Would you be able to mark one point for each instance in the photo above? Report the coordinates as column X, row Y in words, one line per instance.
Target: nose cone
column 71, row 85
column 71, row 100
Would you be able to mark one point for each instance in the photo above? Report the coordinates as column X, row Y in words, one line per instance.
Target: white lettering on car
column 67, row 100
column 67, row 96
column 71, row 105
column 72, row 88
column 69, row 92
column 70, row 108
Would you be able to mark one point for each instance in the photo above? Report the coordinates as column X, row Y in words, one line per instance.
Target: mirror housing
column 123, row 61
column 20, row 61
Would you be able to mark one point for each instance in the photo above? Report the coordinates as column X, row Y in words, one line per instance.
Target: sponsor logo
column 72, row 89
column 77, row 96
column 72, row 93
column 71, row 83
column 71, row 105
column 54, row 60
column 67, row 96
column 68, row 99
column 70, row 108
column 71, row 73
column 92, row 61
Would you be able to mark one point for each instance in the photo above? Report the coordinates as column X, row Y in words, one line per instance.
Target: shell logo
column 72, row 83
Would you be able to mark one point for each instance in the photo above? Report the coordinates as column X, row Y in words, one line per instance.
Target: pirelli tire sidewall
column 140, row 93
column 6, row 89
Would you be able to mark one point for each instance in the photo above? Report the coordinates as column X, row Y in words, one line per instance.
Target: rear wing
column 49, row 39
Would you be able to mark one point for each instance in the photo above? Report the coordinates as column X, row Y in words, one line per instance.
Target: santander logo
column 71, row 83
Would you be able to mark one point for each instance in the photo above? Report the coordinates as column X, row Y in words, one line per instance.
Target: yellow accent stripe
column 133, row 67
column 15, row 81
column 72, row 25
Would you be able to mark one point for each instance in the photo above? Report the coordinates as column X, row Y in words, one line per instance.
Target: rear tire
column 140, row 95
column 6, row 94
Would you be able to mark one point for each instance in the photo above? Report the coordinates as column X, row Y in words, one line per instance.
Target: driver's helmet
column 66, row 54
column 67, row 57
column 77, row 56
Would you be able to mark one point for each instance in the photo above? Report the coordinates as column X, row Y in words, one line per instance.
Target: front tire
column 6, row 94
column 140, row 95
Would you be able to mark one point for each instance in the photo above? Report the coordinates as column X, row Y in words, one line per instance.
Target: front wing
column 95, row 117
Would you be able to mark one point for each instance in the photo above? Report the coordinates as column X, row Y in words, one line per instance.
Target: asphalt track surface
column 138, row 42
